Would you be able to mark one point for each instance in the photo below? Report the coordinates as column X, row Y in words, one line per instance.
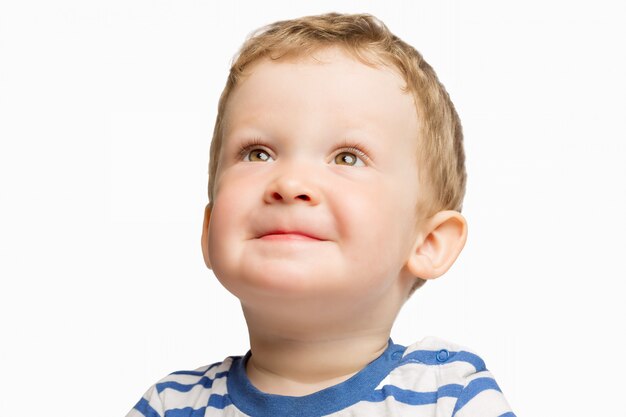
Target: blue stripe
column 196, row 373
column 205, row 382
column 414, row 397
column 450, row 390
column 508, row 414
column 185, row 412
column 471, row 358
column 429, row 357
column 473, row 389
column 219, row 401
column 146, row 409
column 215, row 401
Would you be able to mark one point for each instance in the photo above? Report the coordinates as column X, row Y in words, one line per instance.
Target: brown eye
column 258, row 155
column 346, row 158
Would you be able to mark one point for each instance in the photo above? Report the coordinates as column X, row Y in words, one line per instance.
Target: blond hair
column 441, row 159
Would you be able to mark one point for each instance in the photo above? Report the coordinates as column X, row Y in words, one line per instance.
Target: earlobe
column 204, row 240
column 437, row 247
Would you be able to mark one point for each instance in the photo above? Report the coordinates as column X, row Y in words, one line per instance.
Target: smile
column 289, row 236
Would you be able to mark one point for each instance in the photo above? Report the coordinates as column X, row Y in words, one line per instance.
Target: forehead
column 329, row 86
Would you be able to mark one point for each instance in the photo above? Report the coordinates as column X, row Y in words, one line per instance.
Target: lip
column 288, row 235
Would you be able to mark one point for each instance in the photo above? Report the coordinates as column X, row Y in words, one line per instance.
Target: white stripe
column 486, row 403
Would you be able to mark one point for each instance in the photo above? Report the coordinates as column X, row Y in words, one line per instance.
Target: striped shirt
column 429, row 378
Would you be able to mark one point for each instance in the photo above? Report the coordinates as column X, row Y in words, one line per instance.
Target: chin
column 278, row 283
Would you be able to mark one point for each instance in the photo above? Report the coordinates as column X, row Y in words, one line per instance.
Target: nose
column 292, row 187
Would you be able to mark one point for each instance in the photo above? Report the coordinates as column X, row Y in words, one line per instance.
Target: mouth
column 279, row 235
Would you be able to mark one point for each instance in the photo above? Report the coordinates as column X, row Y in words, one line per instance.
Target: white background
column 106, row 113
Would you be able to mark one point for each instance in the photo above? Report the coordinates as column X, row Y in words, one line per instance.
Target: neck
column 296, row 368
column 300, row 362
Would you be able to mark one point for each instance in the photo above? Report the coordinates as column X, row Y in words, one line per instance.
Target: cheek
column 235, row 188
column 377, row 219
column 386, row 205
column 227, row 213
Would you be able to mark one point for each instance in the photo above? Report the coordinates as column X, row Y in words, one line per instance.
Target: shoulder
column 440, row 352
column 191, row 389
column 457, row 376
column 433, row 362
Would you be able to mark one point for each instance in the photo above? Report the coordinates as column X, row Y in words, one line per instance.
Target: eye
column 352, row 157
column 256, row 155
column 254, row 151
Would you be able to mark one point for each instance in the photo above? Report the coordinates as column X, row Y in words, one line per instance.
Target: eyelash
column 353, row 147
column 248, row 146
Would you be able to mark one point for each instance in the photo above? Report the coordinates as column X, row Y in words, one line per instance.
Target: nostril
column 277, row 196
column 304, row 197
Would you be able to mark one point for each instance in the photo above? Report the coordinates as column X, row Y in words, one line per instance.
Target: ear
column 204, row 240
column 438, row 245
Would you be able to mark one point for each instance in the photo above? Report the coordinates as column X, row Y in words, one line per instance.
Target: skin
column 320, row 302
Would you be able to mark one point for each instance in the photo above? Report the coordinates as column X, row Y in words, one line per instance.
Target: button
column 396, row 355
column 443, row 355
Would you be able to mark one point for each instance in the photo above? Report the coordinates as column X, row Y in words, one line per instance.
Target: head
column 433, row 174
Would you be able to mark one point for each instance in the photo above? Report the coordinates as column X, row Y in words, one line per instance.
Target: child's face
column 299, row 213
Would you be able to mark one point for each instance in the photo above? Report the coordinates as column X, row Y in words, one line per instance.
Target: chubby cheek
column 377, row 220
column 235, row 189
column 218, row 238
column 226, row 226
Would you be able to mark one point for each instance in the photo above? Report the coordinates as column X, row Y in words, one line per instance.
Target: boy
column 336, row 180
